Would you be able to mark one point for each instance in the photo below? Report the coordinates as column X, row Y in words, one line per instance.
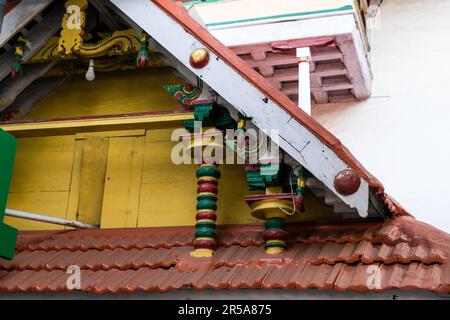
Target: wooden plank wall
column 42, row 179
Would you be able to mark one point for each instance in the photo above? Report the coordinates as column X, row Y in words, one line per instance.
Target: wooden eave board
column 69, row 126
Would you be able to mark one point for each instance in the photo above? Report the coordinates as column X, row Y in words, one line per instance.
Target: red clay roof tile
column 410, row 255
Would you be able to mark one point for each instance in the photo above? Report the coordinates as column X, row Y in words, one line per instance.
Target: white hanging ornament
column 90, row 73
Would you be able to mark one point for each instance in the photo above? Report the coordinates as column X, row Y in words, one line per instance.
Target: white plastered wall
column 402, row 133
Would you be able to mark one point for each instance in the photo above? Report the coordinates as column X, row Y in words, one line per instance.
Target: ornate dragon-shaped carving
column 118, row 43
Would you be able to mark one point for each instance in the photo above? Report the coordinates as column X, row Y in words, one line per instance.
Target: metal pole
column 53, row 220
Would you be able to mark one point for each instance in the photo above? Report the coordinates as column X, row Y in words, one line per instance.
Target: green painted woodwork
column 267, row 175
column 221, row 119
column 205, row 224
column 208, row 171
column 281, row 244
column 189, row 3
column 275, row 223
column 254, row 180
column 8, row 235
column 202, row 111
column 280, row 16
column 186, row 94
column 211, row 115
column 206, row 204
column 207, row 197
column 205, row 232
column 270, row 172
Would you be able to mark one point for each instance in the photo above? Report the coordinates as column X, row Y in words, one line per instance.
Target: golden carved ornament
column 72, row 27
column 116, row 44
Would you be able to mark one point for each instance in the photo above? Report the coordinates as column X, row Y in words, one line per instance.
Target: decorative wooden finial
column 199, row 58
column 347, row 182
column 143, row 56
column 16, row 68
column 186, row 94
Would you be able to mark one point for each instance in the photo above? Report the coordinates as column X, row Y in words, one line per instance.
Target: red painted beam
column 301, row 43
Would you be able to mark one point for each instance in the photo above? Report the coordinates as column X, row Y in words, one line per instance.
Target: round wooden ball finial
column 347, row 182
column 199, row 58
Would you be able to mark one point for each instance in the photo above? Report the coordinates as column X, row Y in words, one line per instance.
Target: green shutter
column 8, row 235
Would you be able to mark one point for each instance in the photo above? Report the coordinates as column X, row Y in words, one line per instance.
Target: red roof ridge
column 180, row 14
column 400, row 229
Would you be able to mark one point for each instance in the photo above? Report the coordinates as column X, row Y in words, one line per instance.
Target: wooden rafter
column 104, row 14
column 37, row 37
column 20, row 16
column 11, row 88
column 34, row 93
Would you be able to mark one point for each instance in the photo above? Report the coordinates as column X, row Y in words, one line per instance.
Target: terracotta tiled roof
column 409, row 254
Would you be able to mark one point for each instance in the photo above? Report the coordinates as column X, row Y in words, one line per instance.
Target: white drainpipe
column 304, row 85
column 53, row 220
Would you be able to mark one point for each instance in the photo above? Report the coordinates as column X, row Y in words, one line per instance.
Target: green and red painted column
column 275, row 205
column 208, row 176
column 275, row 235
column 273, row 208
column 214, row 120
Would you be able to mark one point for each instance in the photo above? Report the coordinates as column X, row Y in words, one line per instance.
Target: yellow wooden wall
column 109, row 93
column 121, row 178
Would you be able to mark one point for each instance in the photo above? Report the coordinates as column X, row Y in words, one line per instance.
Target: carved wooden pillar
column 273, row 207
column 205, row 227
column 206, row 147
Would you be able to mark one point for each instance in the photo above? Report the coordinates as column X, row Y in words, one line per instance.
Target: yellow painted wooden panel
column 121, row 133
column 110, row 93
column 43, row 164
column 232, row 207
column 46, row 144
column 74, row 195
column 135, row 183
column 48, row 203
column 168, row 204
column 92, row 179
column 123, row 182
column 160, row 135
column 168, row 195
